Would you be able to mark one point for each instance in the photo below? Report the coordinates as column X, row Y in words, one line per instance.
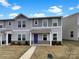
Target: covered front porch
column 5, row 37
column 41, row 37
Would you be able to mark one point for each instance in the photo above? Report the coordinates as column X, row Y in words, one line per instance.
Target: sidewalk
column 28, row 54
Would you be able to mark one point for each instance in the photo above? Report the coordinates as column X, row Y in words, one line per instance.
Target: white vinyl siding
column 45, row 22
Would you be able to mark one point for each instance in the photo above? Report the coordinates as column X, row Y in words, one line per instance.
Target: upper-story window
column 35, row 22
column 9, row 23
column 45, row 23
column 55, row 22
column 23, row 24
column 0, row 26
column 19, row 23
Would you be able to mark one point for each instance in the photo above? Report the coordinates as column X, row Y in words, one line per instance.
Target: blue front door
column 35, row 38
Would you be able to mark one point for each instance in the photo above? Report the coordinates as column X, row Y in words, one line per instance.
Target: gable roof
column 20, row 15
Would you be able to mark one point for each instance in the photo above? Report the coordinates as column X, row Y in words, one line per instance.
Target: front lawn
column 69, row 50
column 12, row 52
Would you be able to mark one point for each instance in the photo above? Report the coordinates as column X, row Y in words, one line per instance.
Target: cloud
column 60, row 6
column 5, row 3
column 65, row 15
column 1, row 15
column 71, row 8
column 16, row 7
column 12, row 15
column 37, row 15
column 77, row 6
column 55, row 9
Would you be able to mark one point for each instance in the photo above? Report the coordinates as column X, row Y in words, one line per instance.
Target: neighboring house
column 37, row 30
column 71, row 27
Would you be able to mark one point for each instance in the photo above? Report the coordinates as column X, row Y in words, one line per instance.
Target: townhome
column 71, row 27
column 38, row 30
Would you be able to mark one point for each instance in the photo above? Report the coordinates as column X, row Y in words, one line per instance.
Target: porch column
column 6, row 38
column 50, row 38
column 1, row 39
column 30, row 38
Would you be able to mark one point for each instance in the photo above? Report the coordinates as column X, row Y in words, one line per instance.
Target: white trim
column 43, row 22
column 1, row 39
column 53, row 21
column 7, row 38
column 50, row 38
column 36, row 20
column 9, row 23
column 22, row 36
column 46, row 35
column 55, row 33
column 22, row 30
column 30, row 38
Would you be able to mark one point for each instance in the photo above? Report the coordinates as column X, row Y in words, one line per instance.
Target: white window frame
column 47, row 37
column 20, row 24
column 22, row 36
column 54, row 21
column 9, row 23
column 34, row 21
column 23, row 23
column 57, row 36
column 43, row 22
column 2, row 25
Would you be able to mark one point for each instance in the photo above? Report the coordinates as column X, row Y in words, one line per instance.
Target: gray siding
column 49, row 22
column 70, row 24
column 15, row 35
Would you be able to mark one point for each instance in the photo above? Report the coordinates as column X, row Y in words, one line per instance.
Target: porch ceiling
column 41, row 30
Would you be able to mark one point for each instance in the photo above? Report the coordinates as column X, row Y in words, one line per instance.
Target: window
column 54, row 36
column 0, row 26
column 9, row 23
column 44, row 37
column 54, row 24
column 71, row 34
column 19, row 37
column 23, row 37
column 45, row 23
column 24, row 24
column 36, row 22
column 19, row 23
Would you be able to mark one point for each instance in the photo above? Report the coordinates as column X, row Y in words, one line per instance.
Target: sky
column 38, row 8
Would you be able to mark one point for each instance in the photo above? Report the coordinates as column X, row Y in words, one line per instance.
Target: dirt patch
column 12, row 52
column 69, row 50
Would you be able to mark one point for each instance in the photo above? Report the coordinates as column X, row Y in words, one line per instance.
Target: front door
column 35, row 38
column 9, row 38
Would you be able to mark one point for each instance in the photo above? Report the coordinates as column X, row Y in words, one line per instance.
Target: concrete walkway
column 28, row 54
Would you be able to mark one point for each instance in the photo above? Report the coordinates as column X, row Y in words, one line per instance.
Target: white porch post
column 1, row 39
column 30, row 38
column 50, row 38
column 6, row 38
